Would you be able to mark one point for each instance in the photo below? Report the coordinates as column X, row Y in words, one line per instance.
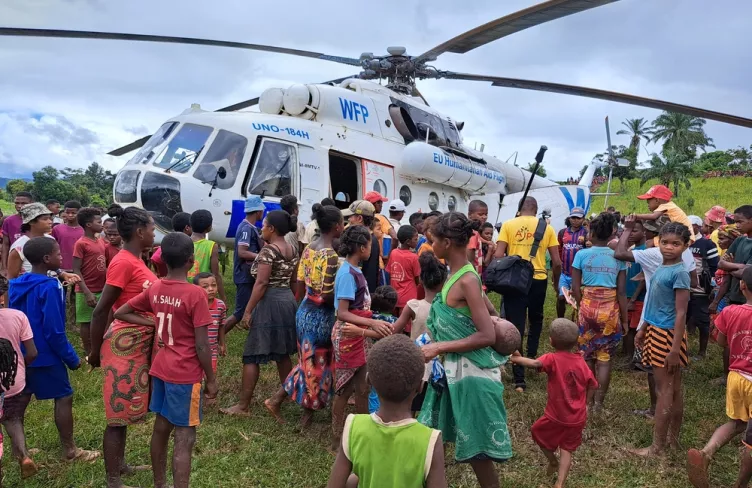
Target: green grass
column 257, row 452
column 728, row 192
column 7, row 207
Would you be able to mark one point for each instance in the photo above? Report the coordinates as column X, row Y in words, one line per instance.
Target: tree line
column 91, row 186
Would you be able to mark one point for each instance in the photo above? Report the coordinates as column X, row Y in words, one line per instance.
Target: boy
column 635, row 289
column 383, row 301
column 569, row 379
column 54, row 207
column 706, row 258
column 741, row 251
column 218, row 311
column 113, row 241
column 181, row 222
column 477, row 211
column 572, row 239
column 41, row 299
column 90, row 263
column 181, row 313
column 68, row 233
column 11, row 228
column 416, row 456
column 296, row 238
column 403, row 267
column 659, row 203
column 205, row 252
column 734, row 326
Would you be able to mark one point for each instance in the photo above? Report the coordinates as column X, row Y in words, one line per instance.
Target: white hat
column 695, row 220
column 397, row 206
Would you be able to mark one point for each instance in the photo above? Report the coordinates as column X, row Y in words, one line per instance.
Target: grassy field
column 7, row 207
column 257, row 452
column 728, row 192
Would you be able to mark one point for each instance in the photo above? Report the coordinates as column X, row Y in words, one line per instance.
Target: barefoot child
column 218, row 311
column 635, row 289
column 384, row 300
column 182, row 317
column 389, row 448
column 206, row 251
column 90, row 263
column 403, row 267
column 734, row 326
column 659, row 202
column 8, row 363
column 470, row 411
column 570, row 381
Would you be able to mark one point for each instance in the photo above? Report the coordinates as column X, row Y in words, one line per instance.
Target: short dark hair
column 289, row 203
column 384, row 299
column 72, row 204
column 564, row 334
column 25, row 194
column 416, row 217
column 201, row 221
column 433, row 274
column 180, row 221
column 395, row 368
column 177, row 250
column 202, row 276
column 405, row 233
column 37, row 248
column 475, row 205
column 677, row 229
column 110, row 221
column 51, row 201
column 486, row 225
column 3, row 285
column 87, row 215
column 745, row 210
column 328, row 201
column 282, row 221
column 602, row 227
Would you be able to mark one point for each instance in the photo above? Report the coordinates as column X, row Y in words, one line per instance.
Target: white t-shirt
column 18, row 246
column 650, row 260
column 395, row 224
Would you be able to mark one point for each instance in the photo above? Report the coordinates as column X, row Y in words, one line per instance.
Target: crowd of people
column 388, row 313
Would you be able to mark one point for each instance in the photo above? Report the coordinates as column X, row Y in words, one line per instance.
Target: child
column 68, row 233
column 428, row 224
column 113, row 241
column 181, row 222
column 383, row 304
column 390, row 447
column 598, row 286
column 403, row 267
column 659, row 202
column 572, row 239
column 487, row 246
column 734, row 328
column 460, row 323
column 664, row 336
column 218, row 310
column 416, row 220
column 15, row 327
column 8, row 363
column 635, row 289
column 570, row 382
column 90, row 263
column 41, row 299
column 352, row 303
column 477, row 211
column 182, row 316
column 206, row 252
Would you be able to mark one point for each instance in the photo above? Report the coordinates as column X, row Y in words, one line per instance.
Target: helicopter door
column 344, row 179
column 379, row 177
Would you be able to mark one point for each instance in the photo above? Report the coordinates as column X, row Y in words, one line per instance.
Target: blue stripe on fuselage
column 567, row 196
column 238, row 215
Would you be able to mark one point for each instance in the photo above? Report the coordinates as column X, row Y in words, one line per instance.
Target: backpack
column 512, row 274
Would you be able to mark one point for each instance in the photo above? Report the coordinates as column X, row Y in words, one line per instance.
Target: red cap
column 716, row 214
column 374, row 196
column 657, row 191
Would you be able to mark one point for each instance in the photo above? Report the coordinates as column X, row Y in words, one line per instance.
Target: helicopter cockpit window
column 184, row 148
column 157, row 139
column 426, row 123
column 226, row 151
column 272, row 171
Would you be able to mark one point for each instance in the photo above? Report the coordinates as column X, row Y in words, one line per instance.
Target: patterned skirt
column 310, row 383
column 598, row 320
column 658, row 344
column 126, row 357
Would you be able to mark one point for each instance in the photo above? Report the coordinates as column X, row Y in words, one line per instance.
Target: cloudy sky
column 68, row 102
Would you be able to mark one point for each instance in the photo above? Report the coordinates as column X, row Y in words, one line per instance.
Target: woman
column 126, row 349
column 271, row 309
column 36, row 222
column 310, row 382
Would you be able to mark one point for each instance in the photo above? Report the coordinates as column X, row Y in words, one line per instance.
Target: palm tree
column 680, row 133
column 636, row 129
column 674, row 168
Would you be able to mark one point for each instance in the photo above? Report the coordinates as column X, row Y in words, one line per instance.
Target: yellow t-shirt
column 675, row 214
column 518, row 235
column 714, row 238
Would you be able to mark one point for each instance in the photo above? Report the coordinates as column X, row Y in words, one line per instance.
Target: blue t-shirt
column 633, row 269
column 599, row 266
column 248, row 236
column 350, row 284
column 660, row 308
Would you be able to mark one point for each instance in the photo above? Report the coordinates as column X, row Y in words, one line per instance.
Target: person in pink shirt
column 11, row 229
column 68, row 233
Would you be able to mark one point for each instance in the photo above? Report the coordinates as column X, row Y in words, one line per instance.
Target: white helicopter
column 345, row 137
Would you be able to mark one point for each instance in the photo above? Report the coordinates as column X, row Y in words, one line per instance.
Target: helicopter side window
column 273, row 169
column 184, row 148
column 147, row 150
column 226, row 151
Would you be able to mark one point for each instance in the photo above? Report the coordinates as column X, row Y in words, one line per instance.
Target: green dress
column 470, row 412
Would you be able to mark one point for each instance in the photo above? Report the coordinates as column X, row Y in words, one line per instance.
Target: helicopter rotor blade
column 509, row 24
column 72, row 34
column 230, row 108
column 602, row 95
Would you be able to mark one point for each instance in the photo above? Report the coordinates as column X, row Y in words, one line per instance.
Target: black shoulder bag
column 513, row 274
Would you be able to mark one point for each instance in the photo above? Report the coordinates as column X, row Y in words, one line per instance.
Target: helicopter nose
column 160, row 196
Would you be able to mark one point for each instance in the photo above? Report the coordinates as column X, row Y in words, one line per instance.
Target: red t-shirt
column 475, row 243
column 179, row 308
column 67, row 237
column 130, row 274
column 735, row 322
column 403, row 269
column 568, row 381
column 93, row 263
column 110, row 251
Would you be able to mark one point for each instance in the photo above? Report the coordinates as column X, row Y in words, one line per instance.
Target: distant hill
column 728, row 192
column 4, row 181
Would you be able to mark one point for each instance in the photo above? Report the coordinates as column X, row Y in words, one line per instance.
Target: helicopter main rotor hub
column 399, row 69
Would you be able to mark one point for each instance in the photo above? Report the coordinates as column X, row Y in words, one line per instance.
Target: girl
column 428, row 224
column 470, row 410
column 36, row 222
column 271, row 310
column 352, row 303
column 403, row 267
column 8, row 364
column 599, row 288
column 125, row 350
column 310, row 383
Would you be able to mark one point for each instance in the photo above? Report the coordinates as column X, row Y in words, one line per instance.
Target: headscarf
column 729, row 231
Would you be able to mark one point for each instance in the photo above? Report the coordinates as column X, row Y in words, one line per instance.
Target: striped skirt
column 657, row 345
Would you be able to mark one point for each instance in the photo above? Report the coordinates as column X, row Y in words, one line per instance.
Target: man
column 741, row 250
column 385, row 227
column 516, row 238
column 361, row 212
column 54, row 207
column 571, row 239
column 12, row 227
column 296, row 239
column 705, row 253
column 312, row 229
column 716, row 217
column 396, row 213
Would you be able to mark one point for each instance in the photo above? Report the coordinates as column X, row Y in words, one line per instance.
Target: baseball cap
column 695, row 220
column 33, row 210
column 655, row 225
column 374, row 196
column 253, row 204
column 657, row 191
column 397, row 206
column 716, row 214
column 360, row 207
column 577, row 212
